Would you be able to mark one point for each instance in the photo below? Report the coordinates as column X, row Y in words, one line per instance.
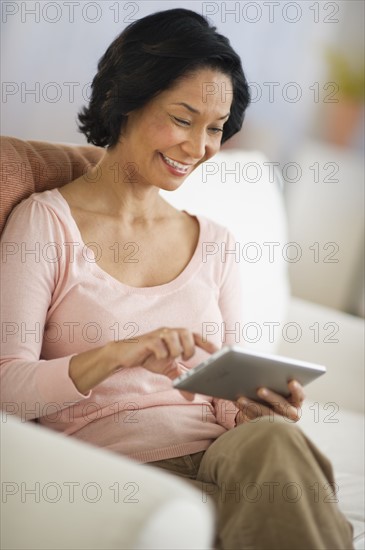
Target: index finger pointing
column 204, row 344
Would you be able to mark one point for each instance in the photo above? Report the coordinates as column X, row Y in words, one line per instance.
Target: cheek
column 149, row 128
column 165, row 136
column 170, row 136
column 159, row 132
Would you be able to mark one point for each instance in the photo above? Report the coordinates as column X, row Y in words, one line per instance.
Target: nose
column 195, row 146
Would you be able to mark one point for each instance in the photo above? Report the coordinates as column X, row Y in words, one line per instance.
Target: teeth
column 175, row 164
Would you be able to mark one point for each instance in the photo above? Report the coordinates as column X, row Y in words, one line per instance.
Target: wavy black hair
column 148, row 57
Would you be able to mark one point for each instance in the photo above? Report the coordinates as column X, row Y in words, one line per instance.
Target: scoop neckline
column 184, row 276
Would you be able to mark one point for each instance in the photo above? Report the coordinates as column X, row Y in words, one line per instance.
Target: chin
column 170, row 183
column 170, row 187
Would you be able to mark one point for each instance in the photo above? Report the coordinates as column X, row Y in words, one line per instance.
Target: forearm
column 29, row 387
column 90, row 368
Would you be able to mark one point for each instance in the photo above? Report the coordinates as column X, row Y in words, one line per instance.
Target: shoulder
column 51, row 200
column 217, row 247
column 213, row 230
column 39, row 214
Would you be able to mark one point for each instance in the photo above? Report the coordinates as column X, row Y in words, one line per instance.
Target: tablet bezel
column 221, row 374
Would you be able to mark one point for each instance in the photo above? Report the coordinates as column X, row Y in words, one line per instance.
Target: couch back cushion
column 32, row 166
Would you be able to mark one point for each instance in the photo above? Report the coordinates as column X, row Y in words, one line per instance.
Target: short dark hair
column 148, row 57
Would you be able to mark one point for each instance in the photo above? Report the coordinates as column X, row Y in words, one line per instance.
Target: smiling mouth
column 183, row 168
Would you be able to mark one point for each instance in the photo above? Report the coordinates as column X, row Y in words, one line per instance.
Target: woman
column 121, row 307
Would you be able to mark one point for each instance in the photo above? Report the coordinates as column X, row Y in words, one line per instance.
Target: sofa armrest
column 60, row 493
column 331, row 338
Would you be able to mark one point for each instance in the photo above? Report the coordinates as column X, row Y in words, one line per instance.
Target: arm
column 30, row 287
column 28, row 283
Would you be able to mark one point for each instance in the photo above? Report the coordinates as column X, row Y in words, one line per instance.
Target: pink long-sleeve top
column 57, row 302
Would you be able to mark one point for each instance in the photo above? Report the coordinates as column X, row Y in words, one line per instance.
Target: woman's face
column 177, row 130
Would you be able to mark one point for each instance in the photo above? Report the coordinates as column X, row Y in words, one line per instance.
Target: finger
column 172, row 342
column 204, row 344
column 170, row 368
column 187, row 395
column 187, row 343
column 279, row 404
column 251, row 409
column 173, row 370
column 157, row 347
column 240, row 418
column 297, row 394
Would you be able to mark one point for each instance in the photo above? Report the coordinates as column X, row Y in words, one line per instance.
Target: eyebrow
column 195, row 111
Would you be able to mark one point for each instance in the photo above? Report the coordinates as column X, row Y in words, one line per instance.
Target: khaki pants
column 273, row 489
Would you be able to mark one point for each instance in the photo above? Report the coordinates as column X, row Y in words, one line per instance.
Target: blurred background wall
column 305, row 64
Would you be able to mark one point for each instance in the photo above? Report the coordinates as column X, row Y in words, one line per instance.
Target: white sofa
column 239, row 189
column 169, row 513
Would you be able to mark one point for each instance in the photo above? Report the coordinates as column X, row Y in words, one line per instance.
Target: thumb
column 187, row 395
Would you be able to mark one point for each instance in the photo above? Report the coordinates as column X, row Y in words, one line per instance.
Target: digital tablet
column 233, row 371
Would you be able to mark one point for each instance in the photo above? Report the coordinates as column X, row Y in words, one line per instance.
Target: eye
column 216, row 130
column 180, row 121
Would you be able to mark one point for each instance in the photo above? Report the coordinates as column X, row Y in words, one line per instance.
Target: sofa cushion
column 32, row 166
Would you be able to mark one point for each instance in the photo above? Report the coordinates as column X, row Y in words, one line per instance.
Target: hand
column 289, row 407
column 157, row 351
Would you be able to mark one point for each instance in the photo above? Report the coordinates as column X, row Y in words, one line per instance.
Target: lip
column 173, row 170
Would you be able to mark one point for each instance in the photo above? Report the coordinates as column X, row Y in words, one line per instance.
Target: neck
column 119, row 190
